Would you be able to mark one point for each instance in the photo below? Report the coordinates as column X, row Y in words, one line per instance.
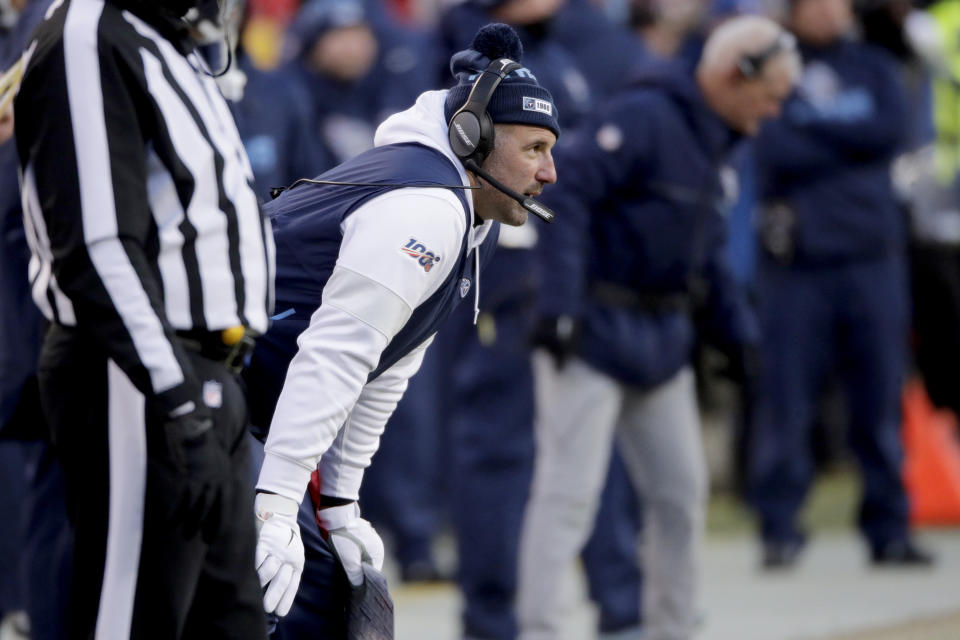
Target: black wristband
column 333, row 501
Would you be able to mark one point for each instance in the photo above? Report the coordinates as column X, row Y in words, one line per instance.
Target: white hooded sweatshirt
column 327, row 413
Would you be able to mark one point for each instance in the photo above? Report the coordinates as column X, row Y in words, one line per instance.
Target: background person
column 639, row 248
column 832, row 284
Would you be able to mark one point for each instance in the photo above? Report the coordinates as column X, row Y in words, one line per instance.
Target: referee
column 154, row 263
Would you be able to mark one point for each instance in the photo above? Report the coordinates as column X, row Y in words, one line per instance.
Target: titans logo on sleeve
column 421, row 254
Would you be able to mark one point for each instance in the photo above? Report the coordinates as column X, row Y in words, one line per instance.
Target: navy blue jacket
column 306, row 228
column 828, row 157
column 346, row 114
column 21, row 323
column 606, row 52
column 276, row 127
column 639, row 238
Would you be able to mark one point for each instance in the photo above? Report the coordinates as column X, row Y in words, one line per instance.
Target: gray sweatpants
column 579, row 410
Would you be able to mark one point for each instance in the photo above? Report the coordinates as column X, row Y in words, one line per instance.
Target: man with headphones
column 636, row 273
column 371, row 258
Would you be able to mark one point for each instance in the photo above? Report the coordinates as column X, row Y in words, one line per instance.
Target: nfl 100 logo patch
column 538, row 105
column 419, row 252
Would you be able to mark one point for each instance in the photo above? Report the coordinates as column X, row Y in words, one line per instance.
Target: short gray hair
column 742, row 37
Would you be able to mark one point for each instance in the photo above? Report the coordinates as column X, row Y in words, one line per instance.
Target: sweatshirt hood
column 423, row 123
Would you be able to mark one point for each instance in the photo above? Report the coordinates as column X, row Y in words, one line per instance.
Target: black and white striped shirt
column 137, row 193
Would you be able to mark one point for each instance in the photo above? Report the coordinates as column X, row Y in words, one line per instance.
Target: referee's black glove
column 203, row 469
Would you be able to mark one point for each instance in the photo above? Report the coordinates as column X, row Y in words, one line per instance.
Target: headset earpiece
column 471, row 135
column 747, row 65
column 471, row 130
column 751, row 66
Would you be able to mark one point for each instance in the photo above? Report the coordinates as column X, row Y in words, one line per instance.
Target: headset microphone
column 528, row 203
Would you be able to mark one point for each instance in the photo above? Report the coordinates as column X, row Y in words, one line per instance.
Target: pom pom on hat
column 498, row 41
column 519, row 99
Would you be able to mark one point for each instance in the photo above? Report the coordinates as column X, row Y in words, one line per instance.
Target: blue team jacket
column 306, row 228
column 276, row 126
column 828, row 157
column 640, row 233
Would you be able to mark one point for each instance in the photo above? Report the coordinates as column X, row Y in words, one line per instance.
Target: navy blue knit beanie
column 519, row 99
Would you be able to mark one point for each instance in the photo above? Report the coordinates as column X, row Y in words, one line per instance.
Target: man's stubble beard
column 500, row 207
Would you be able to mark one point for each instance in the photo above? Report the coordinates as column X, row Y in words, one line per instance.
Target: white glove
column 279, row 550
column 353, row 538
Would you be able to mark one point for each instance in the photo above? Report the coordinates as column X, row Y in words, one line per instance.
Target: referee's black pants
column 135, row 574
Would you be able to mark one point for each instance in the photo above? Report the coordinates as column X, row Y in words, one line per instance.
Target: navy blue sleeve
column 729, row 320
column 308, row 156
column 875, row 123
column 784, row 148
column 594, row 162
column 868, row 124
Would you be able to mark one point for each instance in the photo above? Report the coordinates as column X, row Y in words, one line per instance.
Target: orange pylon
column 931, row 469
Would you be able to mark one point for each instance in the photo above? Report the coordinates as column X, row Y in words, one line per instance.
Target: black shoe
column 421, row 572
column 901, row 553
column 781, row 554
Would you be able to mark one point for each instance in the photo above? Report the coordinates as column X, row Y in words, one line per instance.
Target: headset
column 471, row 135
column 471, row 129
column 471, row 132
column 751, row 66
column 213, row 22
